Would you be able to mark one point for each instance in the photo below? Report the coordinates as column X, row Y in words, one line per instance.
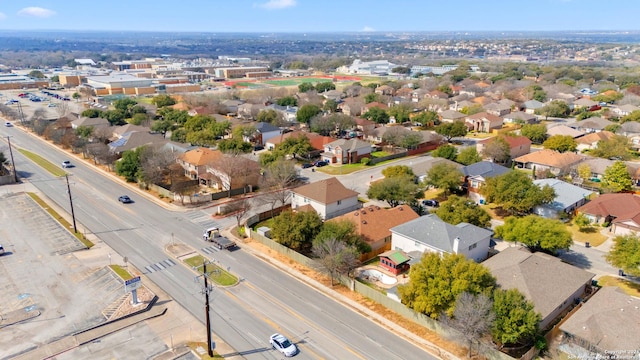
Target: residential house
column 421, row 168
column 437, row 94
column 552, row 285
column 351, row 107
column 568, row 198
column 520, row 117
column 624, row 110
column 395, row 261
column 621, row 210
column 590, row 141
column 564, row 130
column 592, row 124
column 384, row 90
column 556, row 162
column 597, row 166
column 373, row 224
column 375, row 104
column 430, row 234
column 232, row 105
column 250, row 111
column 377, row 134
column 631, row 129
column 451, row 116
column 317, row 141
column 366, row 126
column 194, row 162
column 232, row 173
column 531, row 106
column 419, row 94
column 475, row 175
column 507, row 102
column 335, row 95
column 519, row 145
column 119, row 131
column 459, row 105
column 288, row 113
column 346, row 151
column 264, row 132
column 95, row 123
column 329, row 198
column 607, row 324
column 497, row 109
column 484, row 122
column 430, row 141
column 583, row 103
column 135, row 139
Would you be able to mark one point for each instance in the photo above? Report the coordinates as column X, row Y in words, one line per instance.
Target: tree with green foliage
column 582, row 222
column 306, row 112
column 76, row 96
column 445, row 151
column 84, row 132
column 516, row 192
column 437, row 280
column 411, row 140
column 458, row 209
column 36, row 74
column 372, row 97
column 163, row 100
column 394, row 190
column 498, row 150
column 400, row 112
column 444, row 176
column 556, row 108
column 139, row 119
column 287, row 101
column 296, row 230
column 516, row 321
column 330, row 105
column 625, row 254
column 377, row 115
column 536, row 92
column 55, row 79
column 325, row 86
column 270, row 116
column 426, row 118
column 537, row 133
column 398, row 171
column 468, row 156
column 473, row 109
column 445, row 89
column 91, row 113
column 609, row 97
column 612, row 128
column 633, row 116
column 234, row 146
column 452, row 129
column 115, row 117
column 344, row 231
column 305, row 86
column 615, row 147
column 204, row 130
column 617, row 178
column 298, row 146
column 536, row 233
column 129, row 166
column 125, row 105
column 560, row 143
column 401, row 70
column 173, row 116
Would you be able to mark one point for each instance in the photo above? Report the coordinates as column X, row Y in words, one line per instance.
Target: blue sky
column 319, row 15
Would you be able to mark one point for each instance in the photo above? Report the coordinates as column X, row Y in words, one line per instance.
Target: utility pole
column 206, row 308
column 21, row 113
column 13, row 163
column 73, row 216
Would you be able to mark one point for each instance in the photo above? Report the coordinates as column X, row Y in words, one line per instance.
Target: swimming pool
column 372, row 274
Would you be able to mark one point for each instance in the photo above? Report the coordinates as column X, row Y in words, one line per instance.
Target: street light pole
column 13, row 163
column 73, row 216
column 206, row 308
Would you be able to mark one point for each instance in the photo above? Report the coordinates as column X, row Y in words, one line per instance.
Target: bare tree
column 184, row 187
column 62, row 109
column 155, row 164
column 279, row 176
column 235, row 171
column 473, row 317
column 239, row 209
column 334, row 257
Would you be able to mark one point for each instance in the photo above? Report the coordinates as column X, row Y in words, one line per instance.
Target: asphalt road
column 266, row 301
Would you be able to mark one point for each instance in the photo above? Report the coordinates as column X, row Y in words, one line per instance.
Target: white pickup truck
column 213, row 235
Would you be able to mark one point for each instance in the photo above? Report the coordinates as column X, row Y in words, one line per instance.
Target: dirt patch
column 393, row 317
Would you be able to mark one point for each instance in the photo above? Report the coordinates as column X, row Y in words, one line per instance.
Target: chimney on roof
column 456, row 244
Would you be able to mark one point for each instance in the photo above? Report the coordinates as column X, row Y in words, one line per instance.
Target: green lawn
column 379, row 154
column 627, row 286
column 54, row 169
column 124, row 274
column 295, row 81
column 216, row 274
column 341, row 170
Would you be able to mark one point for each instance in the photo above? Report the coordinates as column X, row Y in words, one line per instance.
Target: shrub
column 365, row 161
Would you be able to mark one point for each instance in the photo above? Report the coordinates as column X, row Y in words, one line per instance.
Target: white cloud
column 36, row 12
column 368, row 29
column 3, row 16
column 278, row 4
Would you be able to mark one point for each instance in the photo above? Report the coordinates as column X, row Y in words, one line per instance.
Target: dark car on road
column 125, row 199
column 320, row 163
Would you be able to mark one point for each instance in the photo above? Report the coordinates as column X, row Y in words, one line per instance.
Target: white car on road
column 282, row 344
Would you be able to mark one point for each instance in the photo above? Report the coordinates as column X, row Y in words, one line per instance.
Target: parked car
column 283, row 345
column 432, row 203
column 67, row 164
column 320, row 163
column 307, row 165
column 125, row 199
column 51, row 105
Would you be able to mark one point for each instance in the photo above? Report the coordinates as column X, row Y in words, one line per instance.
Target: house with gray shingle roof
column 520, row 117
column 564, row 130
column 531, row 106
column 264, row 132
column 550, row 284
column 475, row 175
column 568, row 198
column 430, row 234
column 592, row 124
column 608, row 323
column 346, row 151
column 329, row 198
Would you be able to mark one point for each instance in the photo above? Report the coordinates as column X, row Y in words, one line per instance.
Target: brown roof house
column 556, row 162
column 373, row 224
column 607, row 324
column 329, row 198
column 194, row 162
column 622, row 211
column 484, row 122
column 590, row 141
column 451, row 116
column 519, row 145
column 346, row 151
column 550, row 284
